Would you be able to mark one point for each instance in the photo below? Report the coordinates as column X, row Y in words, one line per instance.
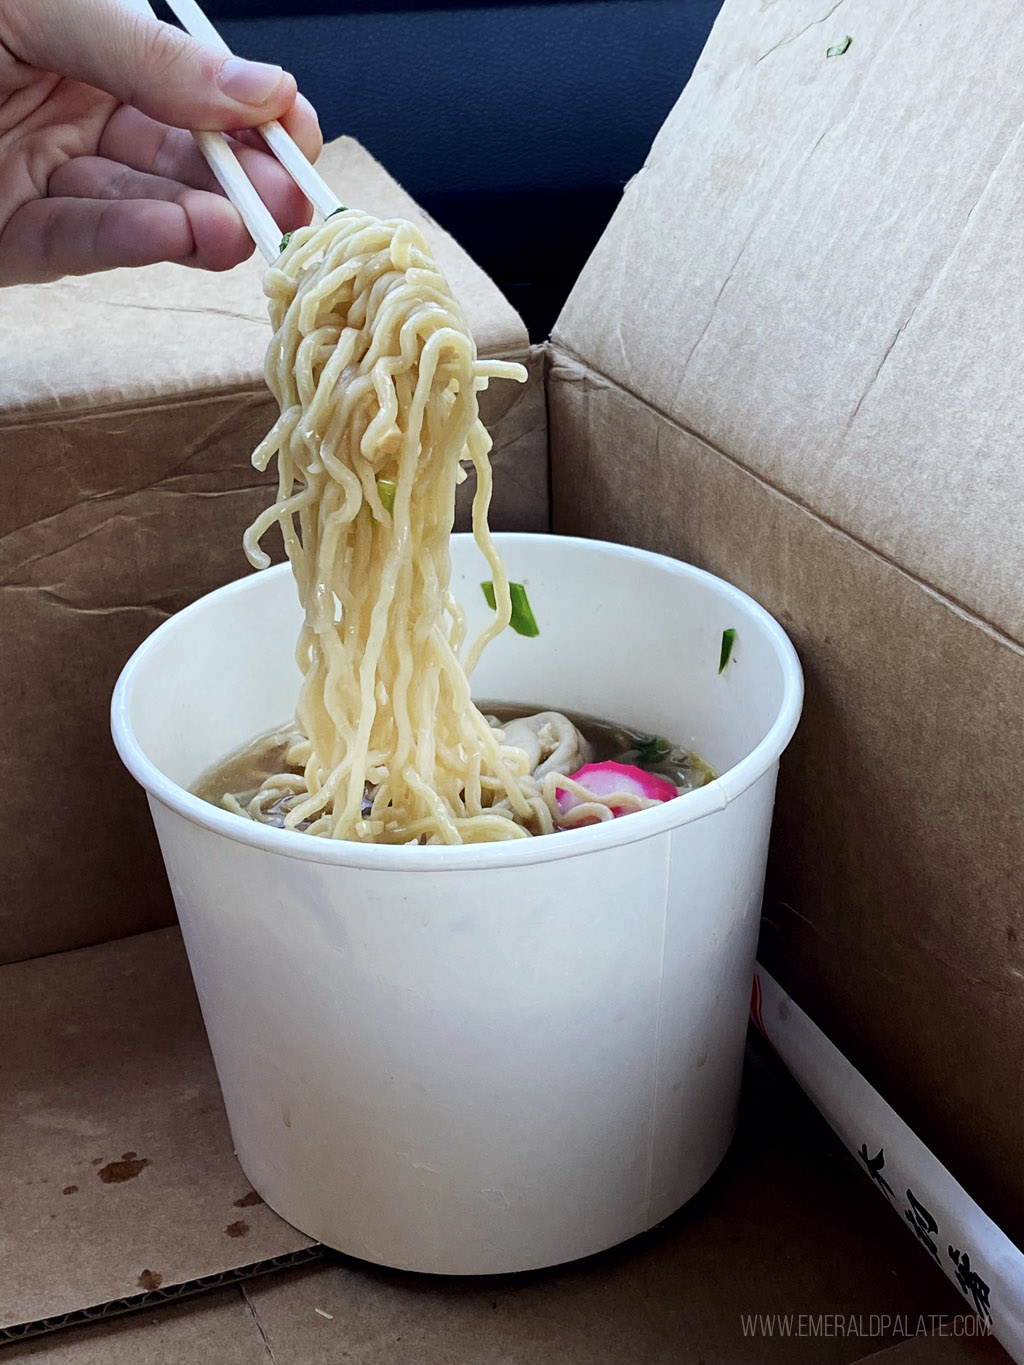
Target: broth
column 236, row 779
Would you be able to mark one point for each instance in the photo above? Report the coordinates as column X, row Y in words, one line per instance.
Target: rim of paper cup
column 640, row 825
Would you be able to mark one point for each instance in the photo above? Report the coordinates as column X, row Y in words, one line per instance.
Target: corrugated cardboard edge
column 152, row 1298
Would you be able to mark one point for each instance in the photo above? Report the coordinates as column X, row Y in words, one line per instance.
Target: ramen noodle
column 377, row 378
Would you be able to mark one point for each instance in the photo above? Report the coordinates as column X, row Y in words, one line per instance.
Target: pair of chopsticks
column 226, row 166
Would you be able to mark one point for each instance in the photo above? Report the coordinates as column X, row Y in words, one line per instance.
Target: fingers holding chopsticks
column 134, row 140
column 96, row 168
column 146, row 144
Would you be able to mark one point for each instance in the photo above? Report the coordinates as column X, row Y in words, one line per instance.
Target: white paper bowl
column 501, row 1056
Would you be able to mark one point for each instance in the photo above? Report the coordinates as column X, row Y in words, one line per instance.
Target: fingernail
column 249, row 82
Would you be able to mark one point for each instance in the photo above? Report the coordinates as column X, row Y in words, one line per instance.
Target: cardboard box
column 812, row 386
column 792, row 359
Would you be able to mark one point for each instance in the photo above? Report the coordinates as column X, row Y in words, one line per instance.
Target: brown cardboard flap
column 129, row 336
column 817, row 271
column 151, row 511
column 116, row 1160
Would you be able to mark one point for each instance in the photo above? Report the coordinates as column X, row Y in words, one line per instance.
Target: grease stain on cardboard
column 238, row 1229
column 116, row 1172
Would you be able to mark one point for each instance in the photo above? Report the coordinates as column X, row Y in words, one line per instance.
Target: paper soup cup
column 500, row 1056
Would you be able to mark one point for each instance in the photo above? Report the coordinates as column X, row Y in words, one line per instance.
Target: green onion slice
column 651, row 751
column 728, row 640
column 523, row 621
column 386, row 489
column 288, row 236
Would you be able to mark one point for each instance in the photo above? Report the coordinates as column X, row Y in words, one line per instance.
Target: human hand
column 96, row 170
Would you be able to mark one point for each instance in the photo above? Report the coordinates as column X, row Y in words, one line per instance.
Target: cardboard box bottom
column 115, row 1146
column 122, row 1189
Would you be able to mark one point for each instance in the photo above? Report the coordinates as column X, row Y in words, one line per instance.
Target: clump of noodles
column 377, row 377
column 377, row 380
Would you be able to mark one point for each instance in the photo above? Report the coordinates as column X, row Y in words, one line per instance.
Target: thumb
column 153, row 66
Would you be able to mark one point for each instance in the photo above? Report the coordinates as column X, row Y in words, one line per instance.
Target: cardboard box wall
column 734, row 314
column 795, row 358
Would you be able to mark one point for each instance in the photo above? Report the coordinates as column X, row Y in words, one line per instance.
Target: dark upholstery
column 516, row 126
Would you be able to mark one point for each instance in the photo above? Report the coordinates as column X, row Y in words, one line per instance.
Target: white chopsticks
column 226, row 167
column 239, row 189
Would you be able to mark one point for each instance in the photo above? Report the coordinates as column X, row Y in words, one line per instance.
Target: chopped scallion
column 651, row 751
column 386, row 489
column 728, row 640
column 285, row 240
column 523, row 621
column 837, row 49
